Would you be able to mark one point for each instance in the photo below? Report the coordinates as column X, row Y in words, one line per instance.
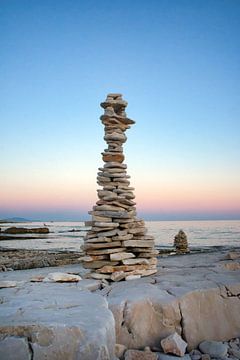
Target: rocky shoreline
column 196, row 296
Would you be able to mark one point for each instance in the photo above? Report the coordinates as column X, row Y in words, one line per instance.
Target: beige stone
column 61, row 277
column 174, row 344
column 113, row 157
column 112, row 269
column 121, row 256
column 98, row 276
column 101, row 218
column 132, row 277
column 120, row 350
column 106, row 251
column 138, row 243
column 233, row 255
column 106, row 224
column 7, row 284
column 199, row 306
column 99, row 239
column 118, row 275
column 140, row 355
column 122, row 237
column 93, row 258
column 232, row 266
column 104, row 245
column 135, row 261
column 99, row 264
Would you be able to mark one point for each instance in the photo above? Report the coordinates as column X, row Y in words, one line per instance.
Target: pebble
column 61, row 277
column 214, row 348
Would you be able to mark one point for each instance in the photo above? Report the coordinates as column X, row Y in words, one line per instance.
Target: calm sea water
column 61, row 236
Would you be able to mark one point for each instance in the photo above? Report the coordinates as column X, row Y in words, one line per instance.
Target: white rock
column 7, row 284
column 132, row 277
column 119, row 350
column 121, row 256
column 61, row 277
column 174, row 344
column 135, row 261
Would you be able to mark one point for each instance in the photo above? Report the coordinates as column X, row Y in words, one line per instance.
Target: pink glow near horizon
column 148, row 201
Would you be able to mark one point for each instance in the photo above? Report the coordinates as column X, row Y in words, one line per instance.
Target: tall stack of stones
column 117, row 246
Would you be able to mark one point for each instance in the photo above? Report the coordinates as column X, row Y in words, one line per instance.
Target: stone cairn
column 181, row 243
column 117, row 247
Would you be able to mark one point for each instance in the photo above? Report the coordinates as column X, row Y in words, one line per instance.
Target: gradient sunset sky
column 176, row 62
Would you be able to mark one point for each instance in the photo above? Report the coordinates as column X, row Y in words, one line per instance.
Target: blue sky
column 176, row 63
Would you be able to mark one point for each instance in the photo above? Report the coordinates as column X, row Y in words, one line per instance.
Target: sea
column 69, row 235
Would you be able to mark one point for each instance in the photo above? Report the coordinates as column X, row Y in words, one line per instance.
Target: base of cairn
column 117, row 246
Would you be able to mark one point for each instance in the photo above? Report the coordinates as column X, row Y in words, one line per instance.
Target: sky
column 177, row 63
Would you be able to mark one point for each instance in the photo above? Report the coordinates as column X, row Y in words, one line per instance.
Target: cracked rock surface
column 195, row 295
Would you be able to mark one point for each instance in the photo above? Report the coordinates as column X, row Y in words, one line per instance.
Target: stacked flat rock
column 117, row 246
column 181, row 243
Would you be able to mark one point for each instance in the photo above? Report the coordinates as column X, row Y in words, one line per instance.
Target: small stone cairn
column 117, row 247
column 181, row 243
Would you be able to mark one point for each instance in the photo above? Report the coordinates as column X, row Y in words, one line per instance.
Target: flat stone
column 112, row 214
column 233, row 266
column 112, row 269
column 114, row 164
column 132, row 277
column 107, row 233
column 101, row 218
column 61, row 277
column 233, row 255
column 174, row 344
column 106, row 224
column 98, row 276
column 118, row 275
column 106, row 251
column 108, row 208
column 150, row 254
column 135, row 261
column 14, row 348
column 122, row 237
column 99, row 264
column 215, row 349
column 121, row 256
column 7, row 284
column 108, row 245
column 99, row 239
column 93, row 258
column 60, row 321
column 162, row 356
column 107, row 157
column 140, row 355
column 114, row 136
column 138, row 243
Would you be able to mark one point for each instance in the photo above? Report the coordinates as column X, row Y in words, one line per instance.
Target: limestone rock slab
column 14, row 348
column 60, row 320
column 143, row 313
column 210, row 314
